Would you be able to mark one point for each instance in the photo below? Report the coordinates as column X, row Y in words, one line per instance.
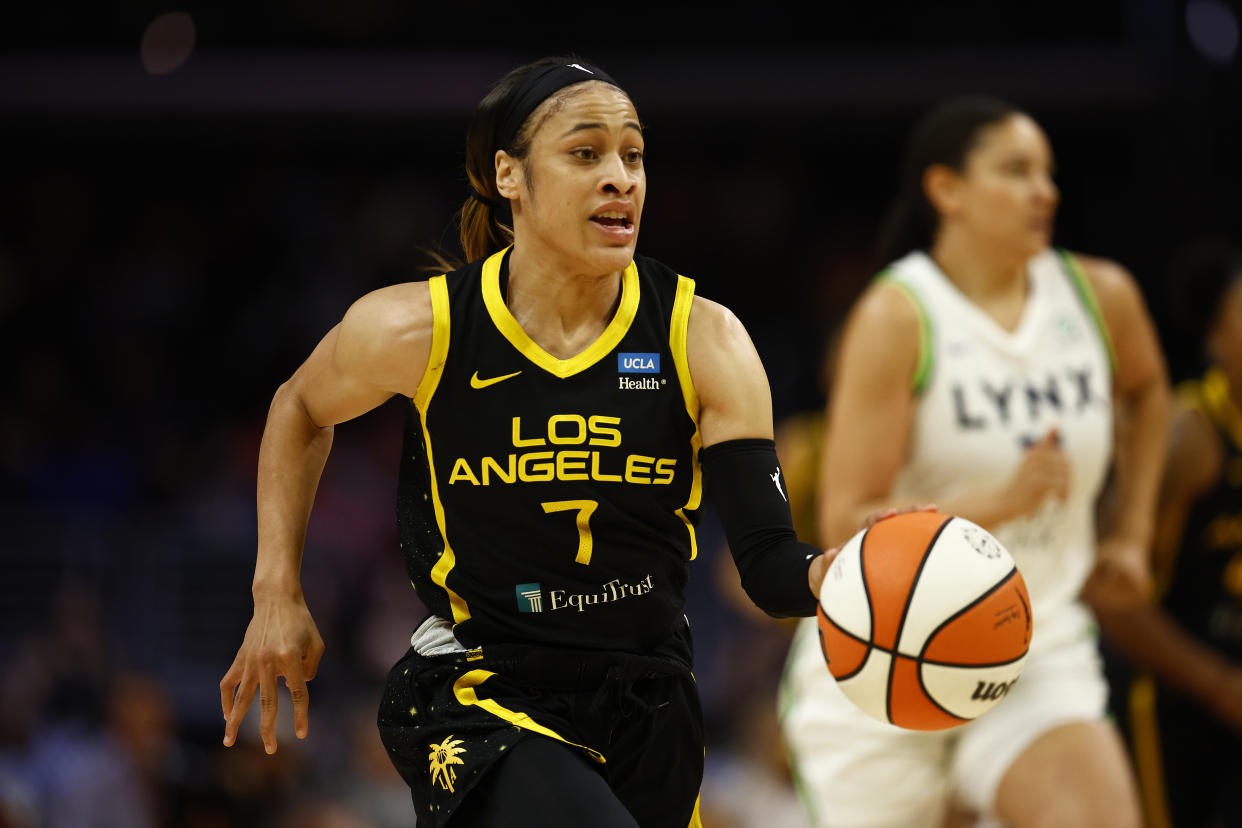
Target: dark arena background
column 193, row 195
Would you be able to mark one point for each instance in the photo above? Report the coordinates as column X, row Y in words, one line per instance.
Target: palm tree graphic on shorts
column 442, row 756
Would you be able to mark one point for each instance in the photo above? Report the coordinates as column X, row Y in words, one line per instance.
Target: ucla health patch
column 638, row 363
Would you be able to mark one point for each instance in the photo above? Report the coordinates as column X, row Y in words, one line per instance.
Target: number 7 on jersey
column 585, row 509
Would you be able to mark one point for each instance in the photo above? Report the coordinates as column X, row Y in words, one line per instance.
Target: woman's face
column 579, row 192
column 1005, row 195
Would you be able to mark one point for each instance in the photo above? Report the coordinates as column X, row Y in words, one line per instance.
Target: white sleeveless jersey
column 987, row 393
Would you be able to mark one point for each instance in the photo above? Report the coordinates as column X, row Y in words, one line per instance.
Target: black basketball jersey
column 553, row 501
column 1205, row 589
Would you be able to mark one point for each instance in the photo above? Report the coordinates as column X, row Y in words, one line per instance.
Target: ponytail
column 482, row 233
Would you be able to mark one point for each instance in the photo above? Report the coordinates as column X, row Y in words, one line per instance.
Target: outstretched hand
column 819, row 567
column 281, row 640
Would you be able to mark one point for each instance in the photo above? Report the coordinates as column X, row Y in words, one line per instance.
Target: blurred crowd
column 154, row 293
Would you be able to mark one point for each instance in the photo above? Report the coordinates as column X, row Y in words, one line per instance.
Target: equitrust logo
column 530, row 596
column 638, row 363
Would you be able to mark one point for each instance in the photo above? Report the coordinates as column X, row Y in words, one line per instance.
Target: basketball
column 924, row 621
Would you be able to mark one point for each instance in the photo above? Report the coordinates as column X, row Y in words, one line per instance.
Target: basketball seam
column 866, row 656
column 932, row 635
column 871, row 645
column 922, row 661
column 918, row 674
column 862, row 576
column 971, row 664
column 892, row 666
column 870, row 640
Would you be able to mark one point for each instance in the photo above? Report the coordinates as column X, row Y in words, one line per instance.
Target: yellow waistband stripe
column 464, row 690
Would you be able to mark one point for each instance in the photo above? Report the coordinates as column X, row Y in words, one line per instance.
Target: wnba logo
column 991, row 691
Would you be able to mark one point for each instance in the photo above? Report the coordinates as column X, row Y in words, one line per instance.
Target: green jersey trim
column 1083, row 285
column 923, row 368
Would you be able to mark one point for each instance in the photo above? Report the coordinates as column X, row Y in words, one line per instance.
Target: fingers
column 883, row 514
column 228, row 687
column 818, row 569
column 240, row 704
column 281, row 641
column 301, row 703
column 875, row 517
column 268, row 703
column 236, row 695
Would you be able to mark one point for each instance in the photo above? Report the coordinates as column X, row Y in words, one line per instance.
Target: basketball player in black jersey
column 570, row 403
column 1183, row 710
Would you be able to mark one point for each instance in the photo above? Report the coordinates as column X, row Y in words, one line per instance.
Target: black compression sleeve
column 744, row 482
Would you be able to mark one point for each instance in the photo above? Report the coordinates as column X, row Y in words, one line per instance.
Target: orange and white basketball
column 924, row 620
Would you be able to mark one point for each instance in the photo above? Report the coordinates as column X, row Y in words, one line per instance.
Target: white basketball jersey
column 988, row 393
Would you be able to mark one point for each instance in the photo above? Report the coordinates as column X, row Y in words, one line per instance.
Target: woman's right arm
column 869, row 422
column 871, row 411
column 379, row 349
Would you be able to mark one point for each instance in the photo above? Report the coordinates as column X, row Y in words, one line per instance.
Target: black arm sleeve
column 744, row 482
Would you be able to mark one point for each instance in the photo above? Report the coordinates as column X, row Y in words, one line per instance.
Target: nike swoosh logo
column 475, row 382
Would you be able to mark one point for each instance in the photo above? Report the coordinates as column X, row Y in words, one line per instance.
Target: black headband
column 534, row 89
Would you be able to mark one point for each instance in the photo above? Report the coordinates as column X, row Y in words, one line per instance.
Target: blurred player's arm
column 871, row 413
column 741, row 474
column 379, row 349
column 1148, row 636
column 870, row 420
column 1141, row 404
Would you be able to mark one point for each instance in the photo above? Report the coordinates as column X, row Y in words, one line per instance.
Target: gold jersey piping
column 422, row 401
column 597, row 350
column 677, row 344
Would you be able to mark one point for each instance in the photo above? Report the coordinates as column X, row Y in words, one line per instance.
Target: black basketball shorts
column 447, row 719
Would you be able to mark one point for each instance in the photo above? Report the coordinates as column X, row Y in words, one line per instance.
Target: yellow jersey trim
column 677, row 344
column 1147, row 752
column 422, row 400
column 1218, row 404
column 696, row 821
column 464, row 690
column 512, row 330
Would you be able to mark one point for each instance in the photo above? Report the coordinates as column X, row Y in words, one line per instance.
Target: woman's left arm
column 1141, row 405
column 741, row 473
